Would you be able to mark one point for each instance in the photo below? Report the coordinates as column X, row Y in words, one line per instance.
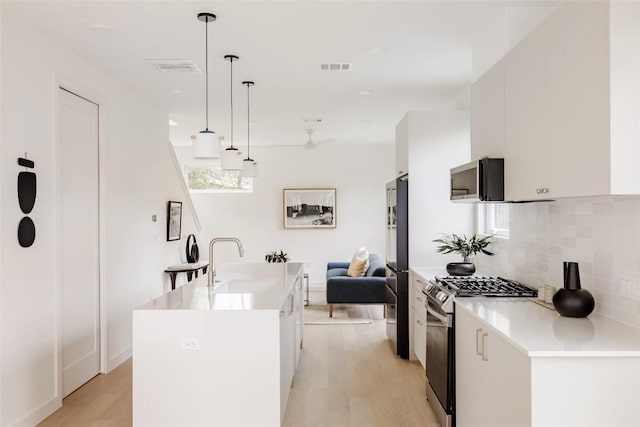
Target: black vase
column 461, row 268
column 572, row 301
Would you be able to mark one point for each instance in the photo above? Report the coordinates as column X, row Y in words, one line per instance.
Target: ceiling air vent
column 175, row 65
column 335, row 67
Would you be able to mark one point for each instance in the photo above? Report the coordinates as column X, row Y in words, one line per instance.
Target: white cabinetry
column 287, row 349
column 402, row 147
column 418, row 329
column 566, row 112
column 488, row 114
column 437, row 142
column 519, row 364
column 493, row 385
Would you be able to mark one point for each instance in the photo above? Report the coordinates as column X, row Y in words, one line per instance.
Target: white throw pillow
column 359, row 263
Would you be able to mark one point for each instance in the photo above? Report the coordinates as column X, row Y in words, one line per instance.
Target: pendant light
column 205, row 146
column 250, row 166
column 231, row 156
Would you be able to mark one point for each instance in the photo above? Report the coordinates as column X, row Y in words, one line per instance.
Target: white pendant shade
column 206, row 146
column 250, row 168
column 231, row 159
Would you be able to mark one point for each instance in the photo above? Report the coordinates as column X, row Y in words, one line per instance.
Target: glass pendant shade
column 206, row 146
column 249, row 168
column 231, row 159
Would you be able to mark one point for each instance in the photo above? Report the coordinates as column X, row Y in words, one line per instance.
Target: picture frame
column 174, row 220
column 309, row 208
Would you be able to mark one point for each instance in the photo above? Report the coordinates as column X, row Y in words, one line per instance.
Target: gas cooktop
column 471, row 286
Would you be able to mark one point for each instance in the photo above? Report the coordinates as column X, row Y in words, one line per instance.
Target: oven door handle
column 443, row 319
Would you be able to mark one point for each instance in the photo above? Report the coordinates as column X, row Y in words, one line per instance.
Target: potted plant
column 467, row 247
column 276, row 257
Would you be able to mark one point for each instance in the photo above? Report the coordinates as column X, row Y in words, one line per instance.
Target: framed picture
column 174, row 220
column 309, row 207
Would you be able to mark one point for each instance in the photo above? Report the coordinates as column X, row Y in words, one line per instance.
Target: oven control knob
column 428, row 287
column 441, row 296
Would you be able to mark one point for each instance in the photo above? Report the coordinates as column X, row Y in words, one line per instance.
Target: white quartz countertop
column 238, row 286
column 541, row 332
column 429, row 272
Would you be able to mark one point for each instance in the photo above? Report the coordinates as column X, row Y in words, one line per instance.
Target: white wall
column 438, row 141
column 359, row 173
column 601, row 234
column 137, row 179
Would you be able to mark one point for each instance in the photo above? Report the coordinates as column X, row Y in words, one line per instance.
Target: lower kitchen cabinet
column 417, row 319
column 493, row 382
column 419, row 337
column 522, row 365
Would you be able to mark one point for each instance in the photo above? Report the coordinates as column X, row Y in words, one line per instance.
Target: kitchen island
column 222, row 355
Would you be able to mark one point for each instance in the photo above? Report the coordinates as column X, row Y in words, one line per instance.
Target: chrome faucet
column 212, row 266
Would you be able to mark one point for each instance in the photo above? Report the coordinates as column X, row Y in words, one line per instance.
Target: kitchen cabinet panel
column 488, row 114
column 402, row 147
column 562, row 103
column 493, row 386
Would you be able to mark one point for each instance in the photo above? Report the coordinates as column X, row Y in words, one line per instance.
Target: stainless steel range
column 441, row 359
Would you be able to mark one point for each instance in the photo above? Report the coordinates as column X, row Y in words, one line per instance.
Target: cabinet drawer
column 420, row 336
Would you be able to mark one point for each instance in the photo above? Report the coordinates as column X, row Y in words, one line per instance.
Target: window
column 212, row 179
column 493, row 219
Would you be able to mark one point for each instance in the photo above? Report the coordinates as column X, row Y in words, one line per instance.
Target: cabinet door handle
column 420, row 281
column 478, row 351
column 542, row 190
column 484, row 347
column 420, row 299
column 419, row 322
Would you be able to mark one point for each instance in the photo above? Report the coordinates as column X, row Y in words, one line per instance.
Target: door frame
column 85, row 91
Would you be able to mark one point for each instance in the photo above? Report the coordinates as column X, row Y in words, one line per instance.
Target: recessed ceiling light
column 177, row 91
column 365, row 92
column 375, row 50
column 172, row 123
column 101, row 28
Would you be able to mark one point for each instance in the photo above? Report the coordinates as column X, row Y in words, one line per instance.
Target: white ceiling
column 411, row 55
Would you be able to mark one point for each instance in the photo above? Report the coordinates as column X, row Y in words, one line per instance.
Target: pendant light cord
column 206, row 68
column 231, row 61
column 248, row 153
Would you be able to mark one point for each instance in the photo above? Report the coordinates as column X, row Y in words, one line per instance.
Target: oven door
column 440, row 361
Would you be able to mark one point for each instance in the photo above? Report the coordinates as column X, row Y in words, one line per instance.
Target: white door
column 79, row 227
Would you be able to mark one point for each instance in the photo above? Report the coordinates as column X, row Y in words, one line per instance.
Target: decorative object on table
column 466, row 247
column 205, row 146
column 27, row 191
column 309, row 207
column 276, row 256
column 193, row 253
column 249, row 166
column 174, row 220
column 572, row 300
column 231, row 157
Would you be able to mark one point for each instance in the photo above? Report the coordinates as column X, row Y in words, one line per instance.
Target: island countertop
column 238, row 286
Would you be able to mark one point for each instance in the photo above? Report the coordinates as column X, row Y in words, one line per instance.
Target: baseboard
column 114, row 362
column 39, row 414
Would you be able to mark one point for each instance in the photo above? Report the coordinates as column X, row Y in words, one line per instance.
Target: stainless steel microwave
column 479, row 181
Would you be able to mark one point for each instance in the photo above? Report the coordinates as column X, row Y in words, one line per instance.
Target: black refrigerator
column 397, row 258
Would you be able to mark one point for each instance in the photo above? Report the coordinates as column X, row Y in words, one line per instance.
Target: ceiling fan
column 314, row 143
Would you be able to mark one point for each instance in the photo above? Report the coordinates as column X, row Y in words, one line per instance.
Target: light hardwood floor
column 348, row 376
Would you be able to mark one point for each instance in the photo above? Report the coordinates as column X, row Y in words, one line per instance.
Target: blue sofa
column 369, row 289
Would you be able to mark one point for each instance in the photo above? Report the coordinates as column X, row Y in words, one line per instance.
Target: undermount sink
column 244, row 286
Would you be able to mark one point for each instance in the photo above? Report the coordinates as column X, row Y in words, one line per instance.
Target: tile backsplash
column 602, row 235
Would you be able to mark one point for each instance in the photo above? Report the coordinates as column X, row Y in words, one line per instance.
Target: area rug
column 318, row 314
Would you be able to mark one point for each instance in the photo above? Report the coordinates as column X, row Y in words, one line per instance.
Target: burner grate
column 468, row 286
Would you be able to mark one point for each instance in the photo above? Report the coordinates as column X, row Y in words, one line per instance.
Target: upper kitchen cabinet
column 488, row 114
column 572, row 103
column 402, row 146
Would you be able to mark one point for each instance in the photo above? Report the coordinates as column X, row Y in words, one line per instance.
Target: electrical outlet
column 189, row 344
